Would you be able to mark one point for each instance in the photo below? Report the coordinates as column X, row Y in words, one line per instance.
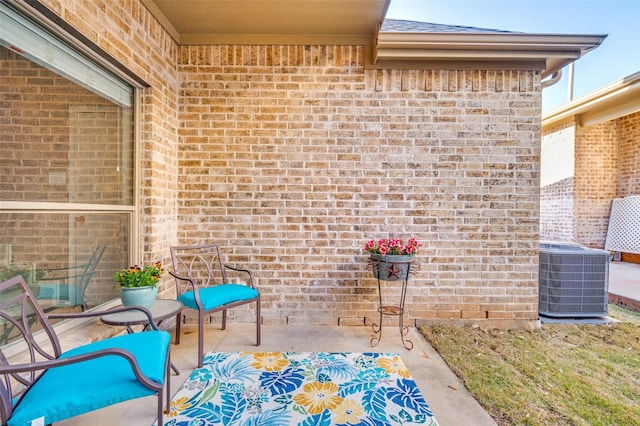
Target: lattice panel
column 623, row 234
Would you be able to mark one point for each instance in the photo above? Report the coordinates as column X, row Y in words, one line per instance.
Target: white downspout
column 555, row 77
column 570, row 83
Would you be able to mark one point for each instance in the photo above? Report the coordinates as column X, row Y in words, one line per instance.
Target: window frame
column 48, row 22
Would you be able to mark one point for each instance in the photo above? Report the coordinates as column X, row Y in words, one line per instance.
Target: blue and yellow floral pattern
column 292, row 388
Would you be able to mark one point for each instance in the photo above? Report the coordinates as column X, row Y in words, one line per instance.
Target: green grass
column 560, row 374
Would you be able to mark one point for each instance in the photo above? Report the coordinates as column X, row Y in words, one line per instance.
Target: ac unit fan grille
column 574, row 281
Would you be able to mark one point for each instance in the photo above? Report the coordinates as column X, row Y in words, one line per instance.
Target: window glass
column 67, row 169
column 59, row 141
column 68, row 259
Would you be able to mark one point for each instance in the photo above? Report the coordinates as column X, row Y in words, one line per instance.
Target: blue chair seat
column 216, row 296
column 95, row 383
column 200, row 268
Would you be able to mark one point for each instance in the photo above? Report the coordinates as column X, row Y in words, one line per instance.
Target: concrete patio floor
column 445, row 394
column 624, row 284
column 447, row 397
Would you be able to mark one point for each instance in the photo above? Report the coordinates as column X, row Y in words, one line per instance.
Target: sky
column 617, row 57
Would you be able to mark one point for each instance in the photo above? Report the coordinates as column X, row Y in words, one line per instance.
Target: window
column 67, row 155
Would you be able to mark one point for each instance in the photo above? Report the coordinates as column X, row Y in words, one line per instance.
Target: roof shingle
column 400, row 25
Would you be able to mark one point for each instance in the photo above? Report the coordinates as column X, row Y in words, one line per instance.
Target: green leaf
column 210, row 392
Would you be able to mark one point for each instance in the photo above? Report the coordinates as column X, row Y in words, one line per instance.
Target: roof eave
column 556, row 50
column 614, row 100
column 276, row 39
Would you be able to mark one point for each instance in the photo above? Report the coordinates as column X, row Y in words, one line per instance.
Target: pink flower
column 370, row 245
column 392, row 246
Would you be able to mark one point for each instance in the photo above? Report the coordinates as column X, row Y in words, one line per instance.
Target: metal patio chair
column 41, row 384
column 68, row 286
column 202, row 285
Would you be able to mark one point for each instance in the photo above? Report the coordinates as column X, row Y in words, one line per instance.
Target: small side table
column 161, row 310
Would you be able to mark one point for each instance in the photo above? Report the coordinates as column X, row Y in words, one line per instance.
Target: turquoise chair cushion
column 61, row 294
column 71, row 390
column 218, row 295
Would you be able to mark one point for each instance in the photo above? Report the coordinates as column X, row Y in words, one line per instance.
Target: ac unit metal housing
column 574, row 280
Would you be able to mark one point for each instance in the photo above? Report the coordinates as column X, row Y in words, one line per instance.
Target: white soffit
column 269, row 22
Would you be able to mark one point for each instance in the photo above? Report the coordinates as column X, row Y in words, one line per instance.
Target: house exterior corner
column 291, row 157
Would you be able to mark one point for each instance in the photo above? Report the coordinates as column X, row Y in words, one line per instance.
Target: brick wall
column 607, row 159
column 629, row 136
column 576, row 207
column 557, row 183
column 557, row 211
column 596, row 181
column 292, row 157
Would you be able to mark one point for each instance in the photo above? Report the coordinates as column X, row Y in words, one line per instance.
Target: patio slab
column 445, row 394
column 624, row 284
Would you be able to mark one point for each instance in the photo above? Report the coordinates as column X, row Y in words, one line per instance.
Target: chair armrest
column 179, row 277
column 88, row 314
column 59, row 362
column 62, row 277
column 248, row 272
column 69, row 272
column 194, row 285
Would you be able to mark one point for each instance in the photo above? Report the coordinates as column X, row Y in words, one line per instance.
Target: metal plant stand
column 391, row 268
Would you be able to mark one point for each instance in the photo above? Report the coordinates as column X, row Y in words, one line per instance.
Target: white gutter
column 557, row 50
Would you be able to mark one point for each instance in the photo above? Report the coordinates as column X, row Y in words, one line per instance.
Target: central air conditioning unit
column 574, row 280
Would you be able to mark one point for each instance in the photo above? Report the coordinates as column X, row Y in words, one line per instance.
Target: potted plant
column 139, row 286
column 391, row 257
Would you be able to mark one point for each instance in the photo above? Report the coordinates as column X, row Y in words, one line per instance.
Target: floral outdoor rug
column 292, row 388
